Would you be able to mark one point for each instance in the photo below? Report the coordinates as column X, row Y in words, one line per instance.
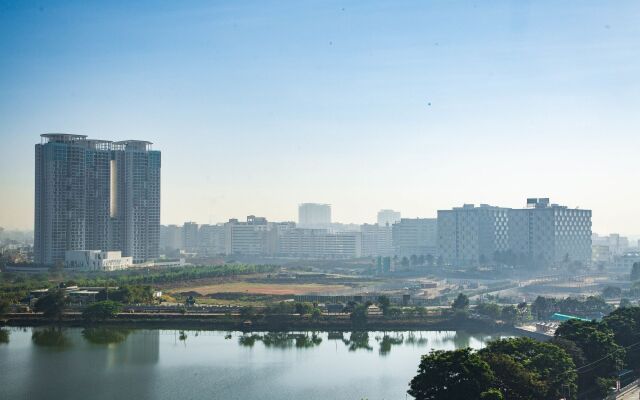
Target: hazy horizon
column 260, row 106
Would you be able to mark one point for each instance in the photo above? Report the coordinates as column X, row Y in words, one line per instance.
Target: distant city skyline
column 261, row 106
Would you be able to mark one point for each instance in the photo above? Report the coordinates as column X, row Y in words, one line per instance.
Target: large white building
column 415, row 236
column 388, row 217
column 96, row 260
column 211, row 240
column 247, row 238
column 319, row 244
column 190, row 236
column 545, row 235
column 541, row 235
column 377, row 240
column 314, row 215
column 469, row 235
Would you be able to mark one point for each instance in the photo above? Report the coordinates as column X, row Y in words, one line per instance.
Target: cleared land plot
column 264, row 288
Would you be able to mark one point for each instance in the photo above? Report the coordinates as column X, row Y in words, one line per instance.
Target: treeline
column 14, row 287
column 582, row 361
column 177, row 274
column 543, row 307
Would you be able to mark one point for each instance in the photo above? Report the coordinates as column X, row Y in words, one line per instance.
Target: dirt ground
column 262, row 288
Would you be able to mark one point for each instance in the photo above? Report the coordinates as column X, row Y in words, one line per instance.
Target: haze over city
column 260, row 106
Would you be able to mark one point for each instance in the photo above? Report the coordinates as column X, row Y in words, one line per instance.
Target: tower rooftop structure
column 61, row 137
column 133, row 144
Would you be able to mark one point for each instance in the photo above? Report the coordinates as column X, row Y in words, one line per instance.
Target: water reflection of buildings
column 140, row 347
column 66, row 364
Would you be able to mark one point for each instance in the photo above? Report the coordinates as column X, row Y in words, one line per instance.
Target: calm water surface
column 49, row 363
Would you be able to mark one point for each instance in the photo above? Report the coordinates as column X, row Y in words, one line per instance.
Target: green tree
column 492, row 394
column 543, row 307
column 384, row 303
column 509, row 314
column 625, row 303
column 451, row 375
column 359, row 315
column 625, row 324
column 101, row 310
column 461, row 302
column 303, row 308
column 611, row 292
column 52, row 304
column 575, row 352
column 597, row 342
column 549, row 365
column 635, row 271
column 491, row 310
column 513, row 379
column 4, row 308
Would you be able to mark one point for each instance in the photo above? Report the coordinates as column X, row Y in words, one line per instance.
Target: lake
column 101, row 363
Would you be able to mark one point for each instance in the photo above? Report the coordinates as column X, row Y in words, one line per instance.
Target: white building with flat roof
column 314, row 215
column 376, row 240
column 541, row 235
column 320, row 244
column 388, row 217
column 96, row 260
column 415, row 236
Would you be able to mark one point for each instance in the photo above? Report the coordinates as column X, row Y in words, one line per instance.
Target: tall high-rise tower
column 95, row 195
column 135, row 209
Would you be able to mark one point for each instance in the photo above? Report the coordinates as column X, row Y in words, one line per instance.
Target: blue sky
column 258, row 106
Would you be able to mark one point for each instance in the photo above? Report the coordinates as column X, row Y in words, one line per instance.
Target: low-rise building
column 625, row 262
column 96, row 260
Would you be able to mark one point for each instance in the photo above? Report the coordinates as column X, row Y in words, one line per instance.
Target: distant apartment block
column 247, row 238
column 211, row 240
column 388, row 217
column 377, row 240
column 171, row 238
column 190, row 236
column 542, row 235
column 625, row 261
column 95, row 195
column 314, row 215
column 605, row 248
column 415, row 236
column 319, row 244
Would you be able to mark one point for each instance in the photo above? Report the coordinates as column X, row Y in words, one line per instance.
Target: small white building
column 96, row 260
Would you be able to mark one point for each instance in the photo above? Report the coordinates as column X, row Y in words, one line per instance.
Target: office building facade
column 542, row 235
